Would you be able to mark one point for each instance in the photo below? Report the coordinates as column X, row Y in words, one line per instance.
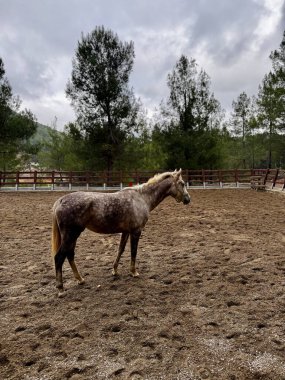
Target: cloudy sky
column 230, row 39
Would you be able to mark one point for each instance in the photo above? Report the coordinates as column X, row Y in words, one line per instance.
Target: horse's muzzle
column 186, row 200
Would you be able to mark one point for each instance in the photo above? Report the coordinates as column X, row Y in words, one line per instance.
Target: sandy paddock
column 209, row 303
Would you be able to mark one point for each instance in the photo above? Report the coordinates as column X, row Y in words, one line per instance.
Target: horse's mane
column 155, row 179
column 159, row 177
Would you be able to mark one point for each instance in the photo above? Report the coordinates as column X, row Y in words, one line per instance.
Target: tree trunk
column 270, row 146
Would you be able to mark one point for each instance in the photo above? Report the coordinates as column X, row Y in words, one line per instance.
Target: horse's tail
column 55, row 236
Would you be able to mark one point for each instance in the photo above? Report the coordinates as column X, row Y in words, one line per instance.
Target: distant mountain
column 42, row 134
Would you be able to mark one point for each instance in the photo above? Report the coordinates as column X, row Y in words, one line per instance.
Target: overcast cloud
column 230, row 39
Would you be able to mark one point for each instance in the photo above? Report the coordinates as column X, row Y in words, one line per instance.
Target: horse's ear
column 176, row 174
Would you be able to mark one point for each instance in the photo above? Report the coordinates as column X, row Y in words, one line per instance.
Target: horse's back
column 122, row 211
column 102, row 212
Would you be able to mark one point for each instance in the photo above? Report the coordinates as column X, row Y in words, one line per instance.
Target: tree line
column 112, row 130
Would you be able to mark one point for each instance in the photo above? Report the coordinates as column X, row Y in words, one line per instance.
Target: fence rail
column 74, row 180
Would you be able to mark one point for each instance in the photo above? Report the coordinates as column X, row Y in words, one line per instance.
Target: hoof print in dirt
column 3, row 359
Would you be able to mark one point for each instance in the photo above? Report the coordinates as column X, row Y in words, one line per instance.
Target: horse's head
column 178, row 189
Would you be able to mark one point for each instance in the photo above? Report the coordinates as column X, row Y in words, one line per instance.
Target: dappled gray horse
column 125, row 212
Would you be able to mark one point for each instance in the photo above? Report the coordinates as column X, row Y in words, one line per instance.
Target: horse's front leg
column 123, row 242
column 135, row 237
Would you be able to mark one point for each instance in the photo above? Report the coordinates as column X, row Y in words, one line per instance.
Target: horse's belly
column 115, row 224
column 105, row 229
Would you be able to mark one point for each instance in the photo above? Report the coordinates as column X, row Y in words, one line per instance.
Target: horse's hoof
column 81, row 282
column 114, row 272
column 135, row 274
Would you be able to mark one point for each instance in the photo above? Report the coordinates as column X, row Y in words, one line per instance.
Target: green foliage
column 143, row 152
column 16, row 127
column 196, row 150
column 105, row 106
column 258, row 124
column 42, row 134
column 62, row 150
column 278, row 63
column 241, row 115
column 189, row 131
column 190, row 102
column 271, row 101
column 243, row 122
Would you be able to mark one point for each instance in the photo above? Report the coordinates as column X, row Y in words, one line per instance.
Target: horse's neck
column 156, row 193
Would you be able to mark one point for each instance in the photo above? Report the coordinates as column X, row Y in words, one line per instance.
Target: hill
column 42, row 134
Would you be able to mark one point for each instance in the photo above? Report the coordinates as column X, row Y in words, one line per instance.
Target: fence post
column 52, row 180
column 204, row 179
column 121, row 179
column 220, row 178
column 105, row 179
column 70, row 181
column 265, row 177
column 17, row 180
column 35, row 180
column 87, row 175
column 275, row 178
column 236, row 178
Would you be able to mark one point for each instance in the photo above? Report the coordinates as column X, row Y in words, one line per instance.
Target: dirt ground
column 209, row 303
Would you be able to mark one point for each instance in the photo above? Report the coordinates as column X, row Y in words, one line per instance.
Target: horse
column 126, row 212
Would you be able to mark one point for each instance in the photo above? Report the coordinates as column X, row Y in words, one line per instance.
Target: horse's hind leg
column 59, row 260
column 77, row 275
column 70, row 256
column 66, row 250
column 123, row 242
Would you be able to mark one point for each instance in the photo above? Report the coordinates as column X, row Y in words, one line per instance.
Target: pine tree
column 192, row 117
column 105, row 105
